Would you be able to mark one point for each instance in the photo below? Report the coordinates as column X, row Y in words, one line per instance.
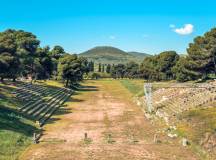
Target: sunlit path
column 114, row 127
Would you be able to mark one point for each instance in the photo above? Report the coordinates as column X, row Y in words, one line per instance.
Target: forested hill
column 112, row 55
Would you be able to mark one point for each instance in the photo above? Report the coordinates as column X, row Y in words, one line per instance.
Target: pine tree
column 99, row 67
column 103, row 68
column 108, row 68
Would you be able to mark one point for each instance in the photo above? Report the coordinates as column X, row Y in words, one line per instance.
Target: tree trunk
column 2, row 79
column 67, row 81
column 14, row 79
column 214, row 60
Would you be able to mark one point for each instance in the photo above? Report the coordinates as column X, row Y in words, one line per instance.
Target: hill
column 139, row 55
column 112, row 55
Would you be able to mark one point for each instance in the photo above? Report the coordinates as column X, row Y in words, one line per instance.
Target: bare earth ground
column 116, row 129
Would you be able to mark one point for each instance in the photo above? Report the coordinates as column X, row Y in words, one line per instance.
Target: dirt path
column 116, row 129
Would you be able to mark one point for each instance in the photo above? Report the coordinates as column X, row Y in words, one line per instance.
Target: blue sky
column 150, row 26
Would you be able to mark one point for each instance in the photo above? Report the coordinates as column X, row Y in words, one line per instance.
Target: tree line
column 22, row 56
column 198, row 63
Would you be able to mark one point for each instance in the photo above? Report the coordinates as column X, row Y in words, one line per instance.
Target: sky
column 149, row 26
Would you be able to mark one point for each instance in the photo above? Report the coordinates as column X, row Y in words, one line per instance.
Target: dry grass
column 114, row 124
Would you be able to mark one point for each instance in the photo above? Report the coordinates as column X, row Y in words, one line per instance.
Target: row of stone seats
column 168, row 102
column 53, row 107
column 41, row 102
column 37, row 106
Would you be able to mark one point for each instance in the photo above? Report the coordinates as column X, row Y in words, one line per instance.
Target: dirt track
column 116, row 130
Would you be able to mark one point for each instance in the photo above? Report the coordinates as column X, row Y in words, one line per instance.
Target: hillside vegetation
column 112, row 55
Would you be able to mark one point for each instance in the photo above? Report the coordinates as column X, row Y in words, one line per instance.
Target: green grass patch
column 199, row 122
column 196, row 124
column 16, row 130
column 12, row 143
column 51, row 83
column 134, row 86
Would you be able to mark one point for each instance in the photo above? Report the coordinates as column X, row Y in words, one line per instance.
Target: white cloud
column 112, row 37
column 186, row 30
column 172, row 26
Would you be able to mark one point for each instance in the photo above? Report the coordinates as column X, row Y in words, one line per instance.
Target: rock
column 185, row 142
column 172, row 135
column 173, row 127
column 138, row 103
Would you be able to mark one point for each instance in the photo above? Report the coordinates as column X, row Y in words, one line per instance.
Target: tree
column 9, row 61
column 57, row 52
column 84, row 66
column 148, row 69
column 91, row 66
column 202, row 54
column 159, row 67
column 27, row 45
column 71, row 69
column 103, row 68
column 45, row 64
column 201, row 58
column 118, row 71
column 108, row 68
column 99, row 67
column 8, row 66
column 132, row 70
column 165, row 62
column 182, row 70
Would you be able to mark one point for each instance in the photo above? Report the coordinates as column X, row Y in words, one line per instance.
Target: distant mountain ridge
column 138, row 54
column 112, row 55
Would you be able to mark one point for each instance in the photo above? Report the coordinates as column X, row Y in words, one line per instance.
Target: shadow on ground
column 11, row 120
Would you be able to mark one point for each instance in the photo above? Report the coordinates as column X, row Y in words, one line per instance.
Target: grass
column 196, row 124
column 199, row 122
column 50, row 83
column 134, row 86
column 15, row 129
column 12, row 144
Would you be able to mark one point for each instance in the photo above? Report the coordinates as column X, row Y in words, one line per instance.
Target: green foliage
column 129, row 70
column 112, row 55
column 118, row 71
column 132, row 70
column 18, row 52
column 71, row 68
column 183, row 72
column 202, row 54
column 99, row 67
column 21, row 55
column 93, row 75
column 159, row 67
column 44, row 63
column 108, row 68
column 57, row 52
column 91, row 66
column 97, row 75
column 201, row 58
column 103, row 68
column 15, row 129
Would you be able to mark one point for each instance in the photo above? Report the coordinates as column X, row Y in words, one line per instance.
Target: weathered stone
column 185, row 142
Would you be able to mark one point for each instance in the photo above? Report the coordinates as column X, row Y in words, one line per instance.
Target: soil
column 116, row 130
